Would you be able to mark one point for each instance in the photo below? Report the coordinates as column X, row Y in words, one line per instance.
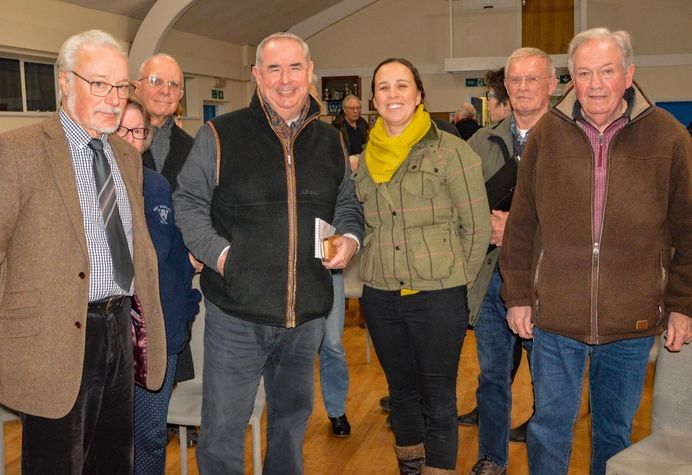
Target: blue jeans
column 495, row 346
column 418, row 341
column 616, row 381
column 236, row 354
column 333, row 367
column 150, row 428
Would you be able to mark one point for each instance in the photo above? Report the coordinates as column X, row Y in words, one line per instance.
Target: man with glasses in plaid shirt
column 73, row 249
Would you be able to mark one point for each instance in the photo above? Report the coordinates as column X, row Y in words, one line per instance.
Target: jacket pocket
column 432, row 251
column 663, row 282
column 422, row 179
column 536, row 300
column 366, row 266
column 19, row 314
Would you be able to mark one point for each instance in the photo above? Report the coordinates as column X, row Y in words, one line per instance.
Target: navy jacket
column 179, row 301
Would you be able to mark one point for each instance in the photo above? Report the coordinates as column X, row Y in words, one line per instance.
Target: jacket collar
column 637, row 103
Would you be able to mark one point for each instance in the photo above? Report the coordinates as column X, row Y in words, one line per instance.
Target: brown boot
column 436, row 471
column 411, row 458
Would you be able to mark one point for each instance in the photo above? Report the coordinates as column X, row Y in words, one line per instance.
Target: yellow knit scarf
column 384, row 154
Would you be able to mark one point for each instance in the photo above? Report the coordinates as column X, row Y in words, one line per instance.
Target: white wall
column 414, row 29
column 419, row 31
column 38, row 28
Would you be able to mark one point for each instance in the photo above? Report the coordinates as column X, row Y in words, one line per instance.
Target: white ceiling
column 234, row 21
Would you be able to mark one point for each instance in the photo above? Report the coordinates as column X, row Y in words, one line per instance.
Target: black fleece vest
column 266, row 207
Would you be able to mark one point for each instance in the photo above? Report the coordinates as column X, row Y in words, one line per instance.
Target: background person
column 530, row 81
column 465, row 120
column 427, row 224
column 499, row 105
column 179, row 301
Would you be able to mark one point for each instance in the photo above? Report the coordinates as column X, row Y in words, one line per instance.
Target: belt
column 109, row 305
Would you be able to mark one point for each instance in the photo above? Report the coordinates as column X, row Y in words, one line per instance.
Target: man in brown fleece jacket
column 604, row 193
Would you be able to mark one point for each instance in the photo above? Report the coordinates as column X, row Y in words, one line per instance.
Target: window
column 26, row 86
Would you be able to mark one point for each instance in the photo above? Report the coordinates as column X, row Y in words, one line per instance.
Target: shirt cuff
column 353, row 236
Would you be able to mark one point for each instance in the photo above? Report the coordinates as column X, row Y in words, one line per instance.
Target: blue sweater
column 179, row 301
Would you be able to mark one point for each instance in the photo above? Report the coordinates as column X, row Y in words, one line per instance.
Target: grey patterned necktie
column 123, row 270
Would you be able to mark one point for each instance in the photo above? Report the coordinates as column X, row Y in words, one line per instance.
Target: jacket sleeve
column 10, row 204
column 520, row 231
column 679, row 288
column 467, row 188
column 192, row 200
column 348, row 214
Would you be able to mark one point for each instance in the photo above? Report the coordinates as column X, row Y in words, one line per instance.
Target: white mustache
column 108, row 110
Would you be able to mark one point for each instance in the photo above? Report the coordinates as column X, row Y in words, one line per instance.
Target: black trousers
column 95, row 437
column 418, row 340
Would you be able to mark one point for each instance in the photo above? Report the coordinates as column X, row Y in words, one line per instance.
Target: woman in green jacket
column 427, row 231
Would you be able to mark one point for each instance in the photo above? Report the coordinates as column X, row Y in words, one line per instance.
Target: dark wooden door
column 547, row 24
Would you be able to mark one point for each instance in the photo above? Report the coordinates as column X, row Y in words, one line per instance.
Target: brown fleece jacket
column 625, row 284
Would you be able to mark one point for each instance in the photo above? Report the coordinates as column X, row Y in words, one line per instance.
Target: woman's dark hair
column 411, row 67
column 495, row 80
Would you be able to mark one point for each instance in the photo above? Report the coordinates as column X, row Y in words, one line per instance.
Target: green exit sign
column 216, row 94
column 475, row 82
column 563, row 78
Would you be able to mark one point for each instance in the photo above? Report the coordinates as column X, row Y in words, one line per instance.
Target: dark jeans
column 418, row 340
column 237, row 353
column 96, row 435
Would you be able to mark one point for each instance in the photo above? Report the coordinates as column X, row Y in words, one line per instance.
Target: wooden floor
column 369, row 448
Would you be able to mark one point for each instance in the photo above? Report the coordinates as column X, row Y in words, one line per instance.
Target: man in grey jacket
column 530, row 79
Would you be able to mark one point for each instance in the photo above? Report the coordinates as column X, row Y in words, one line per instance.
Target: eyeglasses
column 490, row 95
column 156, row 82
column 530, row 80
column 138, row 132
column 102, row 89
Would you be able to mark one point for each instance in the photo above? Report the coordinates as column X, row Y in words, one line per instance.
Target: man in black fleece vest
column 249, row 214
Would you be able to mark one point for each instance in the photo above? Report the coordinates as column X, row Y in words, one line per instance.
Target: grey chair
column 353, row 289
column 185, row 408
column 668, row 449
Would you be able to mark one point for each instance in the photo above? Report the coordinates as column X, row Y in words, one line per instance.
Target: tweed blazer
column 44, row 270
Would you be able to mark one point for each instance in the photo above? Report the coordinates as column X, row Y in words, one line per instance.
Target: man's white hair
column 69, row 49
column 621, row 38
column 524, row 52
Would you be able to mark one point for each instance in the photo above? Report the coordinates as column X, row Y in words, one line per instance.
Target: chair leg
column 2, row 448
column 368, row 341
column 182, row 436
column 256, row 448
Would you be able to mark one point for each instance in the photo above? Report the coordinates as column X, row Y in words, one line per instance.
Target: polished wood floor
column 369, row 448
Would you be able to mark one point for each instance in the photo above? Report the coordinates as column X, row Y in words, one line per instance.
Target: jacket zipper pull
column 596, row 251
column 289, row 159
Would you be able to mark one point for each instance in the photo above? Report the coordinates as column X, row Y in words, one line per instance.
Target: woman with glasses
column 179, row 301
column 499, row 106
column 427, row 231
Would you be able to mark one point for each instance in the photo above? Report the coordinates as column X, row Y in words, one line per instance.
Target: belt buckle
column 110, row 304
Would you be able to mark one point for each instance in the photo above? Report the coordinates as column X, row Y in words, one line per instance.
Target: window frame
column 29, row 58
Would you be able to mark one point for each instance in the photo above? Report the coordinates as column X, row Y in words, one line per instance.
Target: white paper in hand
column 323, row 230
